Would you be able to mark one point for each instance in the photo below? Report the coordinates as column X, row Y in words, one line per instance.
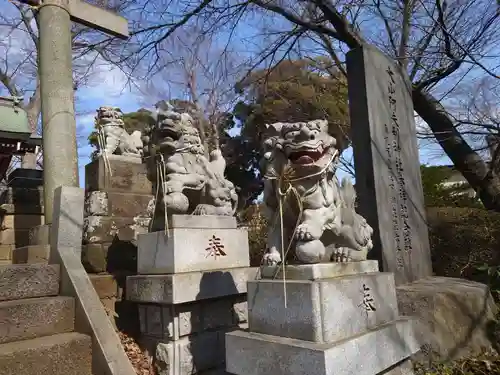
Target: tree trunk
column 468, row 162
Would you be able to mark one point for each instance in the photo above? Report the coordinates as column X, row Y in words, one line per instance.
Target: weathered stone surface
column 258, row 354
column 203, row 222
column 33, row 317
column 6, row 252
column 388, row 180
column 39, row 235
column 99, row 229
column 110, row 257
column 66, row 353
column 105, row 286
column 175, row 321
column 191, row 355
column 96, row 203
column 101, row 203
column 321, row 311
column 22, row 196
column 67, row 219
column 94, row 257
column 188, row 250
column 125, row 177
column 189, row 286
column 16, row 237
column 454, row 315
column 28, row 281
column 31, row 254
column 319, row 271
column 20, row 221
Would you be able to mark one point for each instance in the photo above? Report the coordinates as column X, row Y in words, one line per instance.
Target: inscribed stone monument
column 388, row 180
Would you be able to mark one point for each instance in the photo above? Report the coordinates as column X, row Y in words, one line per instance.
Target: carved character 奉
column 301, row 190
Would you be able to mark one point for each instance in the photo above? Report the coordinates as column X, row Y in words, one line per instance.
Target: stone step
column 18, row 281
column 31, row 254
column 66, row 353
column 35, row 317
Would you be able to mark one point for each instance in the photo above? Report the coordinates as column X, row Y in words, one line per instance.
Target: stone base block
column 22, row 196
column 100, row 229
column 455, row 316
column 322, row 311
column 189, row 286
column 103, row 203
column 21, row 221
column 15, row 237
column 25, row 178
column 40, row 235
column 31, row 254
column 172, row 322
column 126, row 175
column 192, row 249
column 191, row 354
column 6, row 252
column 319, row 271
column 18, row 209
column 117, row 256
column 371, row 353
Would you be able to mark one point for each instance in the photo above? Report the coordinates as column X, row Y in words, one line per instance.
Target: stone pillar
column 191, row 291
column 331, row 318
column 58, row 116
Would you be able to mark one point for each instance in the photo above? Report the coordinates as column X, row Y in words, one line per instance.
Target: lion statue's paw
column 308, row 232
column 272, row 258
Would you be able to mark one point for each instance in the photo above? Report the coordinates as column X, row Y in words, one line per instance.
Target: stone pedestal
column 323, row 319
column 185, row 312
column 116, row 211
column 117, row 196
column 194, row 244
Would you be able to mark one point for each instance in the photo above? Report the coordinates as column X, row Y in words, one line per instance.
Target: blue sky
column 108, row 86
column 112, row 91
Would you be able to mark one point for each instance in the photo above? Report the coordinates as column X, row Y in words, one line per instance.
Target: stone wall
column 21, row 208
column 116, row 202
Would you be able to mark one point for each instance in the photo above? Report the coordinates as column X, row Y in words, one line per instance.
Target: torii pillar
column 60, row 158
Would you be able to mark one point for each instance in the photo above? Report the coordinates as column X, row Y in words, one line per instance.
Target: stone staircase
column 37, row 330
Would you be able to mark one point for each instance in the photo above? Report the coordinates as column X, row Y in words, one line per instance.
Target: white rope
column 161, row 168
column 300, row 197
column 101, row 140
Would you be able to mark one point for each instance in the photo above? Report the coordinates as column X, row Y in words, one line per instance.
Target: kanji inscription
column 397, row 183
column 215, row 247
column 368, row 301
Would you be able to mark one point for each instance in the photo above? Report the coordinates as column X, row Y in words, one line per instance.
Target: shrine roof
column 13, row 119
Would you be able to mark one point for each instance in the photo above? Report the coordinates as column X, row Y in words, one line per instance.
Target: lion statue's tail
column 362, row 232
column 136, row 139
column 348, row 196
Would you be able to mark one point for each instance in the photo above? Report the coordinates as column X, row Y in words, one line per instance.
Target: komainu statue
column 188, row 181
column 115, row 139
column 301, row 191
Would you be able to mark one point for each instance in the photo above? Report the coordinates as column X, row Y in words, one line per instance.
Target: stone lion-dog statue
column 306, row 206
